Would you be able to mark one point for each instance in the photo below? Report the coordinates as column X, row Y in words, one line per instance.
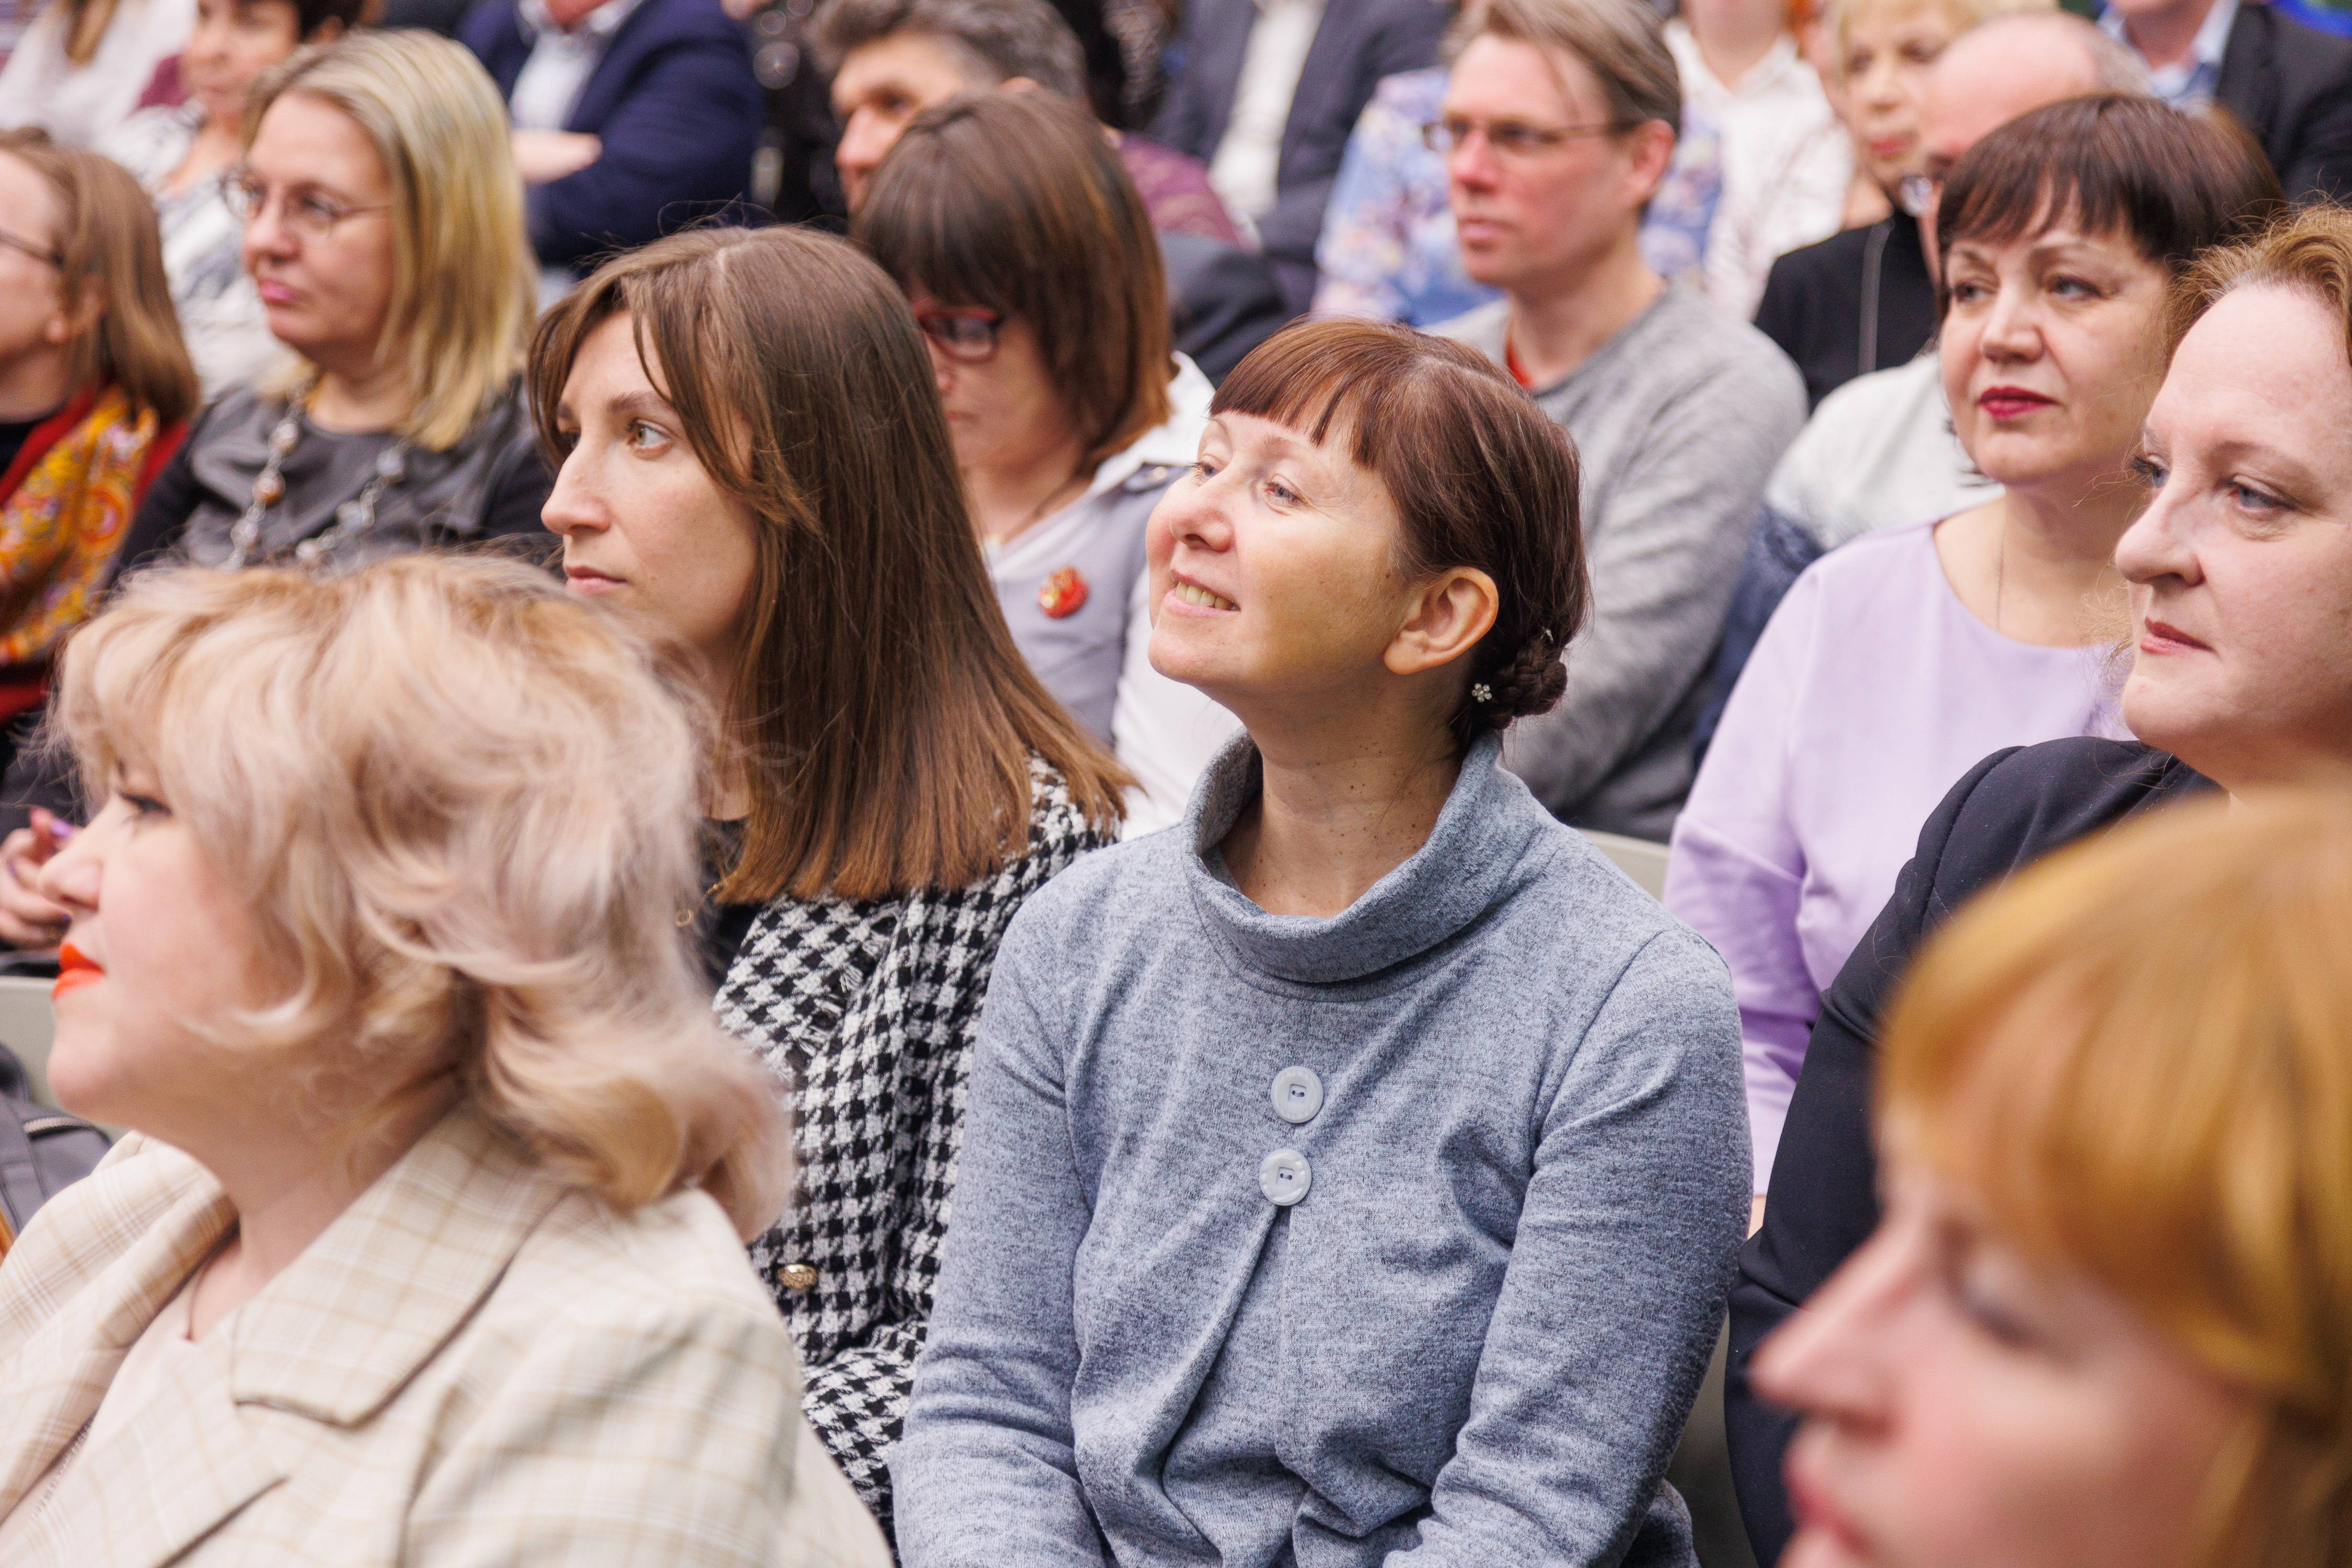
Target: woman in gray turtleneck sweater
column 1351, row 1175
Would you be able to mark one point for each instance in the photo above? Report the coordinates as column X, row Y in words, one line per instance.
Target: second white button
column 1284, row 1177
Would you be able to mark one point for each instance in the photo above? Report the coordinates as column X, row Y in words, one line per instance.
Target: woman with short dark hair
column 752, row 462
column 1030, row 261
column 2240, row 573
column 1896, row 662
column 1356, row 1167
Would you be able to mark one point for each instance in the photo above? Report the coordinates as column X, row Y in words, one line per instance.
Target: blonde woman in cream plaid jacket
column 426, row 1247
column 431, row 1381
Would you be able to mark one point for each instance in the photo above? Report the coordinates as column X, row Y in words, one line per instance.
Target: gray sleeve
column 1615, row 1288
column 1663, row 547
column 987, row 1472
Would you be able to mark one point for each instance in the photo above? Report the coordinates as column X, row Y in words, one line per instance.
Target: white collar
column 2212, row 37
column 1765, row 74
column 598, row 24
column 1173, row 444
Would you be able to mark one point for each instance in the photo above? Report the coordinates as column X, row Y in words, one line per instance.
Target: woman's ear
column 1448, row 615
column 79, row 310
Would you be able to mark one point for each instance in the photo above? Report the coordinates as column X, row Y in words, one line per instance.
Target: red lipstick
column 2010, row 402
column 76, row 969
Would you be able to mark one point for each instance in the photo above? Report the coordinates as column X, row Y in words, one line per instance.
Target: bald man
column 2010, row 67
column 1878, row 453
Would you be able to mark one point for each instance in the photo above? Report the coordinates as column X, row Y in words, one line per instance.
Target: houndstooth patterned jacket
column 867, row 1009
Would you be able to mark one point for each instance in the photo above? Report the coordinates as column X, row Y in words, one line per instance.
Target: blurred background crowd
column 1858, row 415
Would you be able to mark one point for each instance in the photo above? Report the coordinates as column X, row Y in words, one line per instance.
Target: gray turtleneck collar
column 1474, row 853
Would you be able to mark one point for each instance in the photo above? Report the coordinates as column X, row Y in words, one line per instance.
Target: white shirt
column 1788, row 163
column 1162, row 731
column 79, row 104
column 2188, row 86
column 1878, row 453
column 221, row 315
column 548, row 88
column 1246, row 168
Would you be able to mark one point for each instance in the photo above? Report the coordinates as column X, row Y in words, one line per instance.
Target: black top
column 2012, row 808
column 720, row 929
column 12, row 436
column 491, row 483
column 1818, row 301
column 2292, row 86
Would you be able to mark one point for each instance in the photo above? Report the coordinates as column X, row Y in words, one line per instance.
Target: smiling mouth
column 1193, row 594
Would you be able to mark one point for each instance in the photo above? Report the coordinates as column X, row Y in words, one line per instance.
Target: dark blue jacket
column 1357, row 43
column 679, row 111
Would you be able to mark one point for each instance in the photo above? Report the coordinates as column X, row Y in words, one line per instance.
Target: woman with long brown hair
column 753, row 462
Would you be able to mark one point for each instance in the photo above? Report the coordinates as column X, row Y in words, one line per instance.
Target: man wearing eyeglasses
column 1557, row 124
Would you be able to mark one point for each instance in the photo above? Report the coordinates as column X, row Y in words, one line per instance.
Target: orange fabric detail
column 1063, row 594
column 63, row 524
column 1511, row 363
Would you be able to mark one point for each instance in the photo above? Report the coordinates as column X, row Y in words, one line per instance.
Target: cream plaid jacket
column 473, row 1365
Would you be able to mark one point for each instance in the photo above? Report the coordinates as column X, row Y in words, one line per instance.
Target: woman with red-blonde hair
column 2106, row 1318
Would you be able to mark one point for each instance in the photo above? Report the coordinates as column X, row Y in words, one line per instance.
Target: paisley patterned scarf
column 65, row 521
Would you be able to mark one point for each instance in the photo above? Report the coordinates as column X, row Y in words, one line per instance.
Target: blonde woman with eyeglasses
column 383, row 231
column 427, row 1246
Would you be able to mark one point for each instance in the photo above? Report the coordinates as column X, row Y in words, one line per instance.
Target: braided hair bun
column 1529, row 683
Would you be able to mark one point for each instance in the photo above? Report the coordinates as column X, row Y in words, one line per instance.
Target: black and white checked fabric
column 868, row 1008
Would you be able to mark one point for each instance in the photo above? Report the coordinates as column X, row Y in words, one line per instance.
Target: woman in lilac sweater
column 1897, row 662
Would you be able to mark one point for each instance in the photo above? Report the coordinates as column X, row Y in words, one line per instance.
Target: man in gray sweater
column 1558, row 122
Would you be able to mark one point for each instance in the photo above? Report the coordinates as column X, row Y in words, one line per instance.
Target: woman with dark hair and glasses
column 95, row 396
column 1029, row 258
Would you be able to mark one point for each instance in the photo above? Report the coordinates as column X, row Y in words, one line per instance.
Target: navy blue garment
column 1357, row 43
column 679, row 111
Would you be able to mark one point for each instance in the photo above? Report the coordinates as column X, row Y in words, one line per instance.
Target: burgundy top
column 1175, row 190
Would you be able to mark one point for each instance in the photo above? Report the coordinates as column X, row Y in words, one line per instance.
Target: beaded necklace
column 352, row 518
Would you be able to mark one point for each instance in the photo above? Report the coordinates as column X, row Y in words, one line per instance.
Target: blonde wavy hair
column 2138, row 1057
column 463, row 808
column 465, row 285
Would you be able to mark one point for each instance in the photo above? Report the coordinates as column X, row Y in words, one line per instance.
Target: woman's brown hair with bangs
column 1478, row 476
column 108, row 246
column 2136, row 1058
column 2169, row 183
column 886, row 718
column 1014, row 202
